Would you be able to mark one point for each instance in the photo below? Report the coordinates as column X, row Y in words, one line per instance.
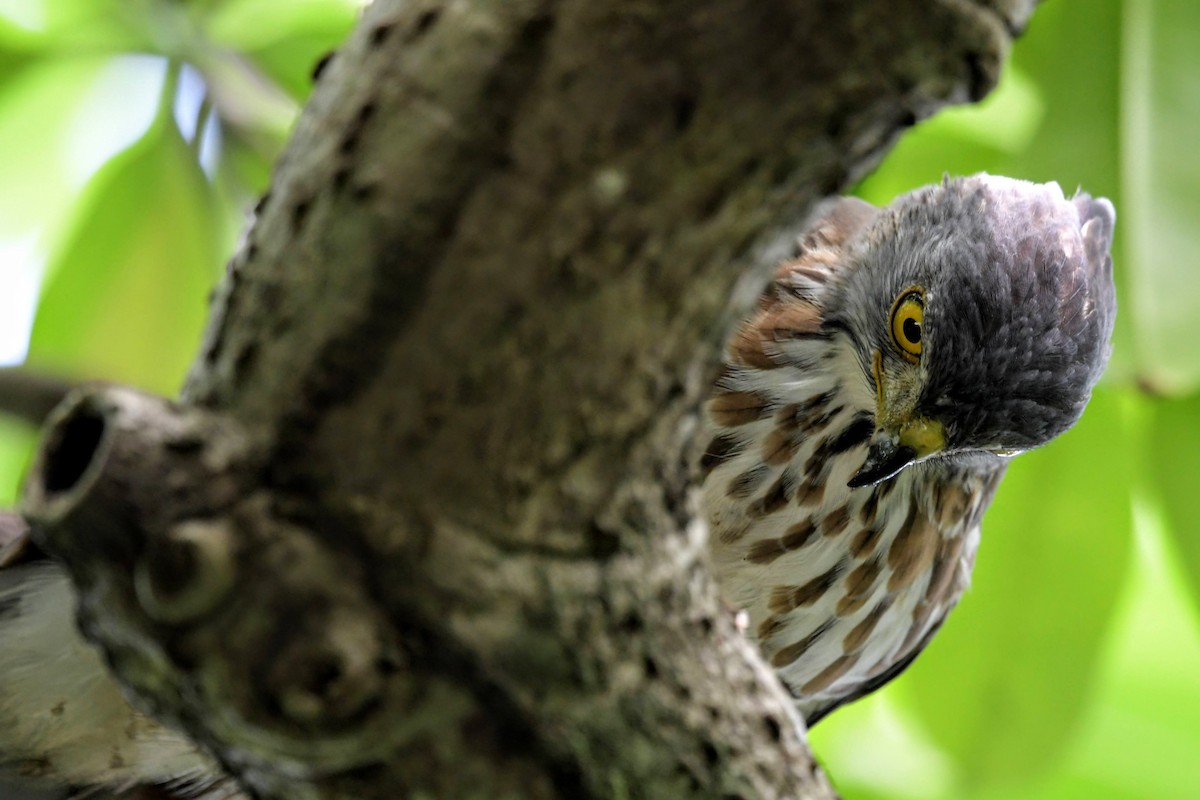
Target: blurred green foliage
column 134, row 136
column 1071, row 668
column 145, row 239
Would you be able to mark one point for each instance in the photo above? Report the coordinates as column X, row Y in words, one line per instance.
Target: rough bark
column 424, row 522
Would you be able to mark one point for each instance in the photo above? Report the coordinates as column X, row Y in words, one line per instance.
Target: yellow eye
column 908, row 320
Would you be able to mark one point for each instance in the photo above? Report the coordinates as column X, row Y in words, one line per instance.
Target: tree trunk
column 424, row 524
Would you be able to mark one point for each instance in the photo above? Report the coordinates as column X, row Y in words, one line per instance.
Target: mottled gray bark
column 424, row 525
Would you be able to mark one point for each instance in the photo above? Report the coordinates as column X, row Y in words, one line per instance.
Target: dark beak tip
column 859, row 480
column 882, row 463
column 863, row 479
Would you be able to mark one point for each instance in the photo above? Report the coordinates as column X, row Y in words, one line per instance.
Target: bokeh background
column 135, row 135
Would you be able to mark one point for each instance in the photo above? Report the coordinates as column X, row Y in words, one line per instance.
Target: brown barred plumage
column 844, row 586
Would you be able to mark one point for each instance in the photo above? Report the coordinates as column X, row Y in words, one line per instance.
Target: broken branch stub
column 147, row 505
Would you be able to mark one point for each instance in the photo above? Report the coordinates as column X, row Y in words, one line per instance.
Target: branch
column 30, row 396
column 454, row 373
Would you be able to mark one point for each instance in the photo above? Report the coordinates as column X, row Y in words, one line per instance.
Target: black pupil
column 912, row 330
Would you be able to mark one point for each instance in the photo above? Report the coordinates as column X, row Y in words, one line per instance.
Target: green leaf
column 1161, row 174
column 872, row 751
column 92, row 26
column 37, row 109
column 18, row 49
column 1141, row 736
column 16, row 449
column 284, row 39
column 1002, row 687
column 1008, row 119
column 126, row 298
column 1174, row 464
column 1076, row 143
column 1073, row 50
column 1153, row 697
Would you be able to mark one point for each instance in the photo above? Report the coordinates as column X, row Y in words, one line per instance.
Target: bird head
column 980, row 313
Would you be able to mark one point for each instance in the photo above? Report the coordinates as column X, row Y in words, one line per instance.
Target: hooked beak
column 886, row 456
column 900, row 439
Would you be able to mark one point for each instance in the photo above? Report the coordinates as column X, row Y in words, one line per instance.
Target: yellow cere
column 908, row 319
column 926, row 436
